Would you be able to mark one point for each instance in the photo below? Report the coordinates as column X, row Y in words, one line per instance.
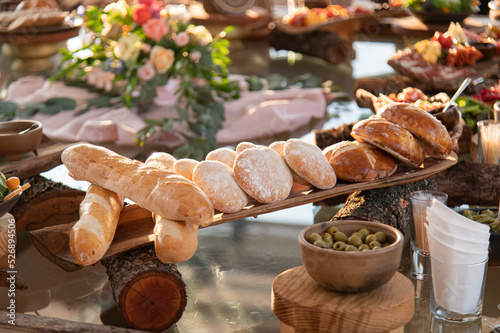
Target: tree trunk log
column 470, row 183
column 328, row 137
column 389, row 205
column 46, row 203
column 149, row 294
column 321, row 44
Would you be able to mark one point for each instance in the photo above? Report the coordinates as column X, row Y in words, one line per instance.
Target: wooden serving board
column 302, row 305
column 49, row 156
column 135, row 228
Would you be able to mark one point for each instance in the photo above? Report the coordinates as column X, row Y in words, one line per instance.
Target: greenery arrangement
column 132, row 50
column 443, row 6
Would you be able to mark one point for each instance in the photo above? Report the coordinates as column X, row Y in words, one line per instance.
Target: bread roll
column 185, row 167
column 279, row 147
column 429, row 131
column 263, row 174
column 358, row 162
column 245, row 145
column 390, row 137
column 93, row 233
column 217, row 181
column 158, row 190
column 308, row 161
column 224, row 155
column 175, row 241
column 38, row 4
column 162, row 160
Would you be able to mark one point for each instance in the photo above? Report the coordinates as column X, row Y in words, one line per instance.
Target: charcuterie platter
column 135, row 227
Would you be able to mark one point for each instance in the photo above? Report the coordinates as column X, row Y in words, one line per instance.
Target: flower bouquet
column 131, row 50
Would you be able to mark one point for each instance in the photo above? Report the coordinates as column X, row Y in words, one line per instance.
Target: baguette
column 92, row 234
column 175, row 241
column 157, row 190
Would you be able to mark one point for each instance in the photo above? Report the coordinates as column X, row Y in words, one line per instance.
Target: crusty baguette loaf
column 93, row 233
column 429, row 131
column 175, row 241
column 358, row 162
column 390, row 137
column 158, row 190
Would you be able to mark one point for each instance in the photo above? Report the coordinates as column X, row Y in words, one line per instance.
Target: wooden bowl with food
column 351, row 256
column 19, row 137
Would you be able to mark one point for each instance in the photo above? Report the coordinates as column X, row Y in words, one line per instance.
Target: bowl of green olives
column 351, row 256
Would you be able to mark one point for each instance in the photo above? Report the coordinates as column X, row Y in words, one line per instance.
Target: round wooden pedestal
column 304, row 306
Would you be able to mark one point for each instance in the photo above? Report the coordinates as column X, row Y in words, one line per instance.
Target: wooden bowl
column 351, row 272
column 14, row 145
column 6, row 205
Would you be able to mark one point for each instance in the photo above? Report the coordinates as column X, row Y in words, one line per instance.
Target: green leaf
column 64, row 103
column 31, row 108
column 8, row 110
column 51, row 109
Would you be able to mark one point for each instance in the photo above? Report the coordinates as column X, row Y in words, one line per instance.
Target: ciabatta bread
column 429, row 131
column 158, row 190
column 358, row 162
column 175, row 241
column 93, row 233
column 390, row 137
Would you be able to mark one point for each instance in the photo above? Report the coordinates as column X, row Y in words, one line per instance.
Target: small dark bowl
column 14, row 145
column 351, row 272
column 488, row 50
column 450, row 118
column 440, row 17
column 6, row 205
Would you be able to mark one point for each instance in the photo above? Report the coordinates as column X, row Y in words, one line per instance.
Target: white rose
column 162, row 58
column 199, row 34
column 120, row 7
column 128, row 47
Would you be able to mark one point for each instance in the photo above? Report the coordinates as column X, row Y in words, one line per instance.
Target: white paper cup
column 457, row 290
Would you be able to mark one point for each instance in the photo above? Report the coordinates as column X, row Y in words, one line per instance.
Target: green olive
column 381, row 236
column 351, row 248
column 329, row 243
column 314, row 237
column 339, row 246
column 320, row 243
column 339, row 236
column 370, row 238
column 364, row 250
column 376, row 248
column 326, row 236
column 386, row 244
column 332, row 230
column 355, row 241
column 364, row 232
column 364, row 247
column 360, row 235
column 374, row 244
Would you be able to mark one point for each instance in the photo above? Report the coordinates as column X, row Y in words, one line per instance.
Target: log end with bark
column 149, row 294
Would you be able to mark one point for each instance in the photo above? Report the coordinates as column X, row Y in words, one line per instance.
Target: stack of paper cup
column 456, row 245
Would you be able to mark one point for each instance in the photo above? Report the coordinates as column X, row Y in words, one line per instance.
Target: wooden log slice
column 150, row 295
column 299, row 302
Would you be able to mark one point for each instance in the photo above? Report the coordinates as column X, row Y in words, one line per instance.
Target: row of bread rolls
column 399, row 131
column 33, row 13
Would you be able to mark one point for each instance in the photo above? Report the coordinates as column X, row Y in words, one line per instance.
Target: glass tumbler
column 420, row 201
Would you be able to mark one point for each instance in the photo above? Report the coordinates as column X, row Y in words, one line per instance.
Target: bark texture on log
column 39, row 324
column 149, row 294
column 470, row 183
column 328, row 137
column 46, row 203
column 321, row 44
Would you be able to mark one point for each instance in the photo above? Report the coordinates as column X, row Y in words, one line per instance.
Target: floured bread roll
column 224, row 155
column 245, row 145
column 185, row 167
column 358, row 162
column 162, row 160
column 217, row 181
column 429, row 131
column 308, row 161
column 175, row 241
column 390, row 137
column 32, row 4
column 279, row 147
column 263, row 174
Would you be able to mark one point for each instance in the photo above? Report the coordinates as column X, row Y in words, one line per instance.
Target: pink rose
column 155, row 29
column 146, row 72
column 195, row 56
column 182, row 38
column 146, row 48
column 146, row 2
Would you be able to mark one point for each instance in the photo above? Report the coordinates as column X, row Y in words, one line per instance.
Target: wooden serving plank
column 135, row 228
column 49, row 156
column 302, row 305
